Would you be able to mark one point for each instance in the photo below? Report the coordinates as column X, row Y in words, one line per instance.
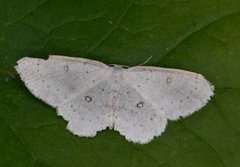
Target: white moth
column 93, row 96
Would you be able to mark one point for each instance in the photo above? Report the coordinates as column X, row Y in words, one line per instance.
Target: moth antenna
column 8, row 73
column 145, row 61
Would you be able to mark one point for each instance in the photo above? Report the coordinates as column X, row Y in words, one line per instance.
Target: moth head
column 118, row 67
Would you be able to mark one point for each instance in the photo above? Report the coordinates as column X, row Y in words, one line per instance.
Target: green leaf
column 201, row 36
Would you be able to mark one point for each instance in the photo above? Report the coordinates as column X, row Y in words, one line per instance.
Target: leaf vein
column 188, row 35
column 104, row 37
column 21, row 142
column 26, row 14
column 201, row 139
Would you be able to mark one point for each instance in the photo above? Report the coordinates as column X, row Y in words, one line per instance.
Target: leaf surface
column 201, row 36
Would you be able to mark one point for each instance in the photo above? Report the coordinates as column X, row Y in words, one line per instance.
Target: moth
column 92, row 96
